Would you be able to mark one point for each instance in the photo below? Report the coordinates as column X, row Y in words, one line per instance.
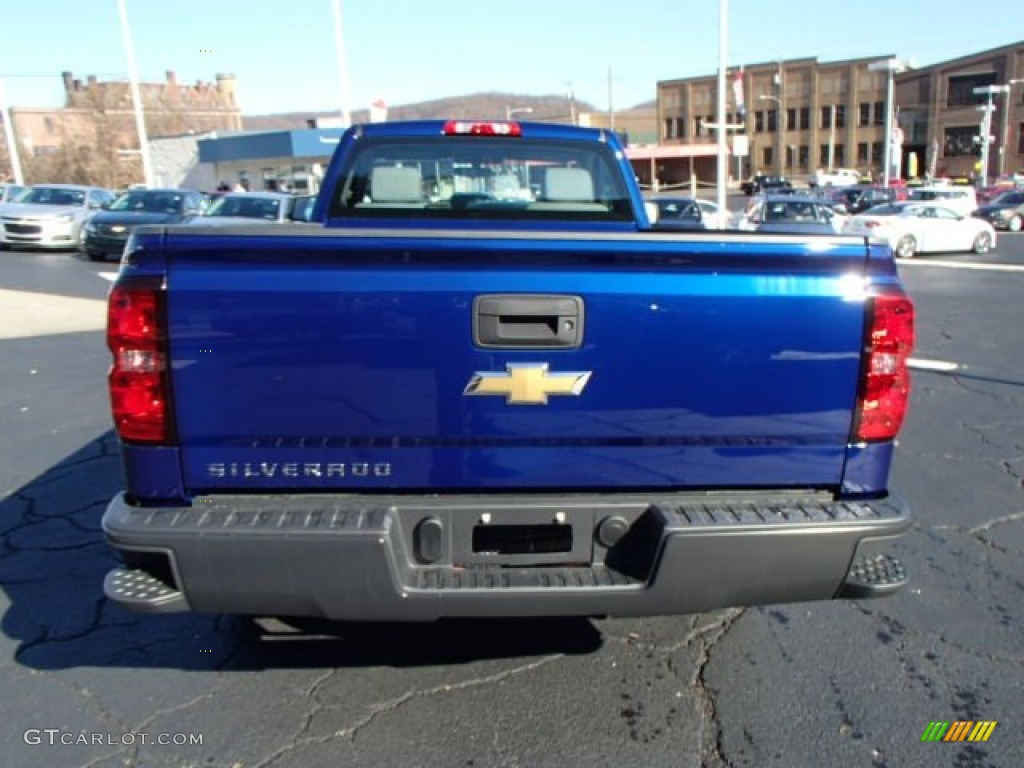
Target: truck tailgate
column 346, row 360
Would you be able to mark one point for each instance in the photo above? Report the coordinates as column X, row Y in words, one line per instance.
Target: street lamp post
column 986, row 124
column 890, row 66
column 1004, row 146
column 509, row 111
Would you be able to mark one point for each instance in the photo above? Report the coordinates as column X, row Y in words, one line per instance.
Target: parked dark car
column 859, row 198
column 762, row 182
column 106, row 232
column 1005, row 212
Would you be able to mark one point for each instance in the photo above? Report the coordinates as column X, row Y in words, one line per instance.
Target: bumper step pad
column 137, row 591
column 874, row 576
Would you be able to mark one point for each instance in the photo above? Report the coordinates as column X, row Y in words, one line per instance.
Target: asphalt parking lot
column 839, row 684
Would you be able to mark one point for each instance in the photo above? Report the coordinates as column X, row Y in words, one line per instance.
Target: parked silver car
column 50, row 215
column 239, row 208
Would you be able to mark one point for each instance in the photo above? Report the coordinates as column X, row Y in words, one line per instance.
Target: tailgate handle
column 526, row 321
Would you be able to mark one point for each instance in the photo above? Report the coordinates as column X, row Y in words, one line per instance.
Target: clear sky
column 406, row 51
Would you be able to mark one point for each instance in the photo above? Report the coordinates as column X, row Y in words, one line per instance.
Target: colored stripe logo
column 959, row 730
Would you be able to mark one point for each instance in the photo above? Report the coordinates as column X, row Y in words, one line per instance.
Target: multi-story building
column 805, row 114
column 96, row 129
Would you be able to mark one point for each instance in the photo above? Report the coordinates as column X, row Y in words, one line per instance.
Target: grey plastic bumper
column 374, row 558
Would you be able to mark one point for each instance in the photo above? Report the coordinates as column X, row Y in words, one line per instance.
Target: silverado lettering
column 593, row 413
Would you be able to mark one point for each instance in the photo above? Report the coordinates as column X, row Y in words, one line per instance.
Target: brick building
column 95, row 129
column 805, row 114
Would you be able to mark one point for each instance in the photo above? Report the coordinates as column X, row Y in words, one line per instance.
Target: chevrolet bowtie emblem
column 527, row 383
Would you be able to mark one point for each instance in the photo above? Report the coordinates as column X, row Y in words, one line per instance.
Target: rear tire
column 906, row 247
column 94, row 256
column 1015, row 224
column 982, row 243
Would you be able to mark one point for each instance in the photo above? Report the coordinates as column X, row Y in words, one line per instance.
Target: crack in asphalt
column 1013, row 517
column 711, row 748
column 387, row 707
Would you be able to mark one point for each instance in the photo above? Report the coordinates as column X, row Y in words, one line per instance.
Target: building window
column 961, row 89
column 698, row 126
column 1020, row 139
column 879, row 113
column 767, row 157
column 840, row 115
column 805, row 118
column 791, row 119
column 759, row 122
column 877, row 152
column 681, row 127
column 773, row 120
column 862, row 153
column 668, row 128
column 826, row 117
column 804, row 155
column 48, row 123
column 960, row 141
column 865, row 114
column 840, row 155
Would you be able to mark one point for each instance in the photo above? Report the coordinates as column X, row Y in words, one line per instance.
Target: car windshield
column 52, row 196
column 148, row 202
column 245, row 207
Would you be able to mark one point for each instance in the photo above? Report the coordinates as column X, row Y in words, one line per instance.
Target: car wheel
column 906, row 247
column 95, row 256
column 982, row 243
column 1015, row 224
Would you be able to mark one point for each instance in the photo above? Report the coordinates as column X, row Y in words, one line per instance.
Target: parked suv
column 962, row 200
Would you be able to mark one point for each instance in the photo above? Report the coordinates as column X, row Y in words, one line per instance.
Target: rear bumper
column 374, row 558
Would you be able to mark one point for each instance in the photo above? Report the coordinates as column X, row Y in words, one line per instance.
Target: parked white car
column 961, row 199
column 839, row 177
column 911, row 228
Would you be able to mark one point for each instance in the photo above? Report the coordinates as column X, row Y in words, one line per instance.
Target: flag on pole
column 737, row 93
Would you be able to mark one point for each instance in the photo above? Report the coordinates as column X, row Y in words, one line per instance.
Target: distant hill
column 487, row 106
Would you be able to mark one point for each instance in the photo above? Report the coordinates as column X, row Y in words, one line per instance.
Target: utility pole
column 12, row 142
column 986, row 124
column 572, row 103
column 723, row 159
column 611, row 107
column 339, row 49
column 133, row 75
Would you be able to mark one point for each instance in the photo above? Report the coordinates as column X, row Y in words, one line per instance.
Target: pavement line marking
column 961, row 265
column 924, row 364
column 109, row 276
column 24, row 315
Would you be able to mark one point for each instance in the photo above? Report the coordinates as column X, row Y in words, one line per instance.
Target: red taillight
column 490, row 128
column 872, row 224
column 138, row 375
column 885, row 387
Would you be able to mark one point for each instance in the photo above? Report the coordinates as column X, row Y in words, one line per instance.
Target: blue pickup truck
column 485, row 383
